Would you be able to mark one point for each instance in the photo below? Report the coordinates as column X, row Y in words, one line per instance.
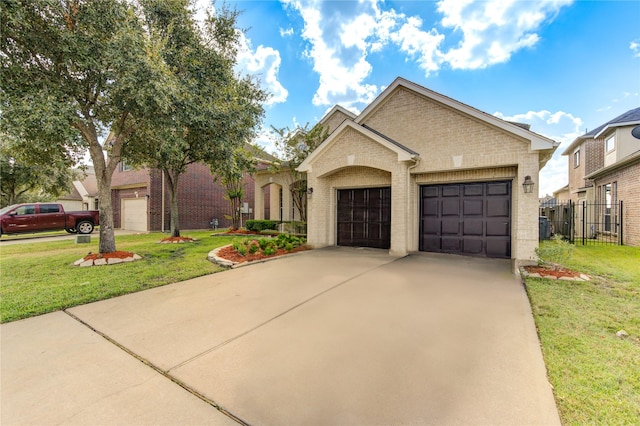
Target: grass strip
column 38, row 277
column 595, row 374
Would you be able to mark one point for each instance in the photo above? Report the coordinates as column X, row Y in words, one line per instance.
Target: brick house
column 84, row 195
column 417, row 170
column 604, row 168
column 141, row 199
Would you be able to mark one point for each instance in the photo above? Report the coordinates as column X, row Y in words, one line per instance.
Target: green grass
column 595, row 374
column 38, row 277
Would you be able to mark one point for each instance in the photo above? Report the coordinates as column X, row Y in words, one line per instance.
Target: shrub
column 254, row 247
column 555, row 252
column 269, row 250
column 260, row 225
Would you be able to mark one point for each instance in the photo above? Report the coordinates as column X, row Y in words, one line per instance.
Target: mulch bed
column 229, row 253
column 546, row 271
column 111, row 255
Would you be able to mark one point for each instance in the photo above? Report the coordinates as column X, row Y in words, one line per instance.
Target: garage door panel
column 473, row 227
column 472, row 207
column 450, row 207
column 451, row 245
column 497, row 208
column 473, row 189
column 450, row 191
column 431, row 243
column 467, row 218
column 472, row 246
column 431, row 227
column 498, row 188
column 498, row 247
column 430, row 207
column 450, row 226
column 430, row 192
column 498, row 229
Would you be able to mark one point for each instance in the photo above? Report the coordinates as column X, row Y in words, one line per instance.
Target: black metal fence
column 584, row 222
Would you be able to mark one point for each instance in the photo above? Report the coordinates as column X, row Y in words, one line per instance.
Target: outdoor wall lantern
column 527, row 185
column 309, row 191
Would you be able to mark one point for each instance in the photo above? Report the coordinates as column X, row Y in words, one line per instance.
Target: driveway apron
column 338, row 336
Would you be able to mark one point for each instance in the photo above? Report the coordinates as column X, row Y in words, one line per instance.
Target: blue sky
column 562, row 66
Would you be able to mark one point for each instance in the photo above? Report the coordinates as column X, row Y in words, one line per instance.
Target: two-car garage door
column 462, row 218
column 466, row 218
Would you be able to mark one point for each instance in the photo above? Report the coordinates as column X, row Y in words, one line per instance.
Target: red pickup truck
column 35, row 217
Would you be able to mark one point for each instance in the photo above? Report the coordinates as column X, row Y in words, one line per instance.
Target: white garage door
column 134, row 214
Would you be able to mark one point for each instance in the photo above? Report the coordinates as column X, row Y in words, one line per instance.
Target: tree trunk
column 107, row 242
column 173, row 198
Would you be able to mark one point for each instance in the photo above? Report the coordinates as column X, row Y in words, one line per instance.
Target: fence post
column 621, row 232
column 584, row 222
column 572, row 222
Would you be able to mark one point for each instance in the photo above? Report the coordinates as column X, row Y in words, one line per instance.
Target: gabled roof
column 538, row 142
column 628, row 118
column 404, row 153
column 337, row 108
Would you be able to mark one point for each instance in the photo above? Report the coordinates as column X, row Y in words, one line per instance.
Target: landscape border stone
column 102, row 261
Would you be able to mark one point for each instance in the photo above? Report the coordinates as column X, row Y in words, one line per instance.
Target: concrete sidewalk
column 335, row 336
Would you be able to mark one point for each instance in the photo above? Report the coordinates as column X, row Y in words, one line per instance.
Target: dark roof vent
column 521, row 125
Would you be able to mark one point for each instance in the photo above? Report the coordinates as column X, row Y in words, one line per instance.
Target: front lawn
column 37, row 277
column 595, row 374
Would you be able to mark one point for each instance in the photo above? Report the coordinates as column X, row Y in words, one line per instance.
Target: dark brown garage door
column 364, row 217
column 466, row 218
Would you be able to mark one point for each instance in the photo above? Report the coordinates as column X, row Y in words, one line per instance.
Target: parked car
column 36, row 217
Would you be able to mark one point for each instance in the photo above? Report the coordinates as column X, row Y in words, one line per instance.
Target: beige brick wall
column 335, row 120
column 445, row 138
column 453, row 147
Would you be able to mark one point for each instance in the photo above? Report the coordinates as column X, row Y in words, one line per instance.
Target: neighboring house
column 141, row 199
column 417, row 170
column 84, row 195
column 604, row 168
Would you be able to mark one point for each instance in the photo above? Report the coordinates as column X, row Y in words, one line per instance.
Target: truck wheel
column 84, row 227
column 71, row 230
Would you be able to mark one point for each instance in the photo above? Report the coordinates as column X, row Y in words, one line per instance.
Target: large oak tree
column 80, row 75
column 214, row 110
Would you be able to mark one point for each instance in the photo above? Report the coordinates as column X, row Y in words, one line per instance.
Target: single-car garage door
column 364, row 217
column 466, row 218
column 134, row 214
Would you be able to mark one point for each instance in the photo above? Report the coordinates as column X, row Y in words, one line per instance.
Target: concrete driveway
column 328, row 337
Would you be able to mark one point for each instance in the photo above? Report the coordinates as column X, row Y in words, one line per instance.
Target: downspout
column 416, row 161
column 162, row 200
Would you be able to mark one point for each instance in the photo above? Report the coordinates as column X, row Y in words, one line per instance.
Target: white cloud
column 286, row 32
column 341, row 36
column 201, row 7
column 339, row 60
column 635, row 48
column 493, row 30
column 560, row 126
column 264, row 62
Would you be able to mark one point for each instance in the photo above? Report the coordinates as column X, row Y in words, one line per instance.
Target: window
column 49, row 208
column 123, row 167
column 576, row 157
column 22, row 210
column 611, row 144
column 610, row 206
